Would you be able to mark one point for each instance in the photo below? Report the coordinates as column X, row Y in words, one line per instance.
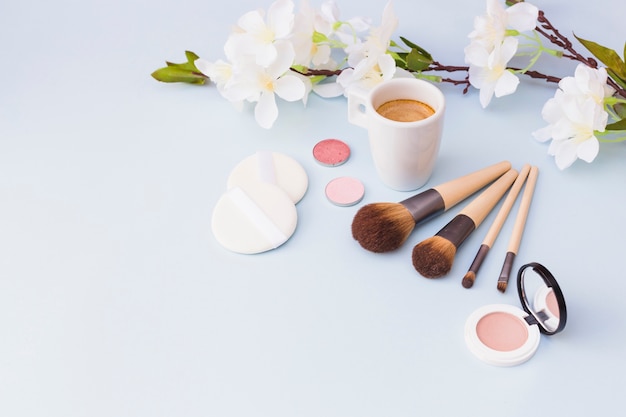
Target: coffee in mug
column 404, row 152
column 405, row 110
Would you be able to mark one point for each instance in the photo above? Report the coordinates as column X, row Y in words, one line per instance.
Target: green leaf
column 400, row 55
column 615, row 78
column 421, row 50
column 619, row 125
column 415, row 61
column 187, row 72
column 609, row 57
column 319, row 37
column 176, row 74
column 191, row 57
column 620, row 109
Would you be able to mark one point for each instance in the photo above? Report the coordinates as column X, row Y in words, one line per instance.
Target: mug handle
column 357, row 106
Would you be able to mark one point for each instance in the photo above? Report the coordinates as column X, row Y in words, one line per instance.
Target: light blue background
column 116, row 300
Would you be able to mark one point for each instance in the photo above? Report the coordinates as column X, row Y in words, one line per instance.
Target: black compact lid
column 540, row 272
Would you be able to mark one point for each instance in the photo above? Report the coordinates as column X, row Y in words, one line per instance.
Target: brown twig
column 562, row 41
column 314, row 72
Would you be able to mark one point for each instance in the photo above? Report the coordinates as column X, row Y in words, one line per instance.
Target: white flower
column 328, row 23
column 574, row 134
column 370, row 62
column 588, row 82
column 488, row 70
column 257, row 34
column 309, row 53
column 492, row 47
column 261, row 84
column 574, row 115
column 219, row 72
column 490, row 29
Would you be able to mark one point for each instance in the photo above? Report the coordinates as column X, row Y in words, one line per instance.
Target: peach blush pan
column 499, row 335
column 505, row 335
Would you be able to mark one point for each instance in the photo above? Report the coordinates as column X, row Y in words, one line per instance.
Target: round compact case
column 504, row 335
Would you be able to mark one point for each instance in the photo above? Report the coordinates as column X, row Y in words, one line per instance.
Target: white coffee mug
column 404, row 153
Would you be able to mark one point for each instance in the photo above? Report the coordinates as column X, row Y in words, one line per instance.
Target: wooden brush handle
column 453, row 192
column 498, row 222
column 522, row 214
column 478, row 209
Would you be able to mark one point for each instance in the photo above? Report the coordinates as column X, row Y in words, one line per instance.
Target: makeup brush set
column 384, row 227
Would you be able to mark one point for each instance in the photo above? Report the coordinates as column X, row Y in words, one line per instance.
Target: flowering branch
column 288, row 55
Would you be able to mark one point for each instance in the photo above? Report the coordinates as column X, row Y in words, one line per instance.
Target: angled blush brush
column 383, row 227
column 433, row 257
column 494, row 229
column 518, row 229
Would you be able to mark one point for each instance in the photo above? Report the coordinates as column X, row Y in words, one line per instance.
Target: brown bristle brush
column 496, row 226
column 518, row 229
column 383, row 227
column 434, row 256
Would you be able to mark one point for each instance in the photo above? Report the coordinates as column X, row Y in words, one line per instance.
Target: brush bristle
column 502, row 286
column 468, row 279
column 433, row 257
column 382, row 227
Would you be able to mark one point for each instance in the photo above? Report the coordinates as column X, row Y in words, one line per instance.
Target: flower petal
column 289, row 88
column 544, row 134
column 476, row 54
column 266, row 54
column 522, row 16
column 328, row 90
column 266, row 111
column 565, row 153
column 282, row 60
column 588, row 150
column 507, row 84
column 486, row 93
column 252, row 22
column 280, row 18
column 387, row 66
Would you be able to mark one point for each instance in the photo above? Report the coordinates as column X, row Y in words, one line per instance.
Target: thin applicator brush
column 383, row 227
column 434, row 256
column 496, row 226
column 518, row 229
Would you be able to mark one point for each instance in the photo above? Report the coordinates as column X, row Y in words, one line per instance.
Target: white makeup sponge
column 273, row 168
column 253, row 219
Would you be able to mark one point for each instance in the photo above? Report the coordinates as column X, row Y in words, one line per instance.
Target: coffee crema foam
column 405, row 110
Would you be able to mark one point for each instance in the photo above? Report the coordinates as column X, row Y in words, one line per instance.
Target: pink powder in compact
column 502, row 331
column 345, row 191
column 331, row 152
column 553, row 304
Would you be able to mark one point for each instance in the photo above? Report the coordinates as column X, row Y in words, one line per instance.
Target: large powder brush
column 433, row 257
column 384, row 227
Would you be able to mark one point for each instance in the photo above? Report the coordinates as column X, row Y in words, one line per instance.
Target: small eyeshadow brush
column 518, row 229
column 496, row 226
